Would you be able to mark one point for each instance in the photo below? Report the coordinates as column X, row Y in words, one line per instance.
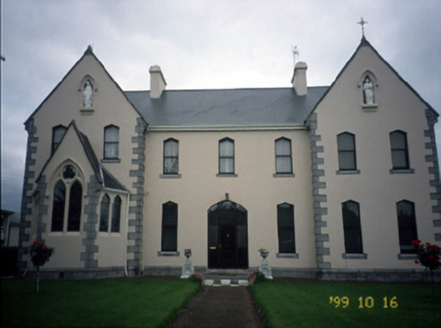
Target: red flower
column 417, row 262
column 416, row 242
column 35, row 242
column 431, row 257
column 45, row 246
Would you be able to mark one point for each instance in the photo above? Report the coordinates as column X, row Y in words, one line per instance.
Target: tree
column 40, row 254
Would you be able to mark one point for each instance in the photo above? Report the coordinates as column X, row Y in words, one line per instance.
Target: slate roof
column 265, row 107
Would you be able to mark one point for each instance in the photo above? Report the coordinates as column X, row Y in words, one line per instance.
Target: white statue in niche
column 368, row 91
column 88, row 95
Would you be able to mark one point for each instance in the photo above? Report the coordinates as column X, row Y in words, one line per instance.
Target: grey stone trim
column 348, row 256
column 170, row 176
column 407, row 171
column 27, row 199
column 434, row 169
column 136, row 211
column 163, row 270
column 283, row 175
column 42, row 207
column 348, row 172
column 110, row 161
column 168, row 253
column 90, row 225
column 407, row 256
column 319, row 195
column 299, row 273
column 287, row 255
column 78, row 273
column 378, row 275
column 227, row 175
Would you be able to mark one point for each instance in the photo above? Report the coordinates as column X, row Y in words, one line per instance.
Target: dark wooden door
column 227, row 236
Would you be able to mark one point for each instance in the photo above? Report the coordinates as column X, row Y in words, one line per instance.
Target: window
column 57, row 134
column 285, row 227
column 400, row 154
column 171, row 156
column 58, row 206
column 68, row 187
column 283, row 156
column 75, row 197
column 169, row 242
column 352, row 228
column 111, row 142
column 104, row 214
column 226, row 156
column 116, row 214
column 406, row 226
column 346, row 152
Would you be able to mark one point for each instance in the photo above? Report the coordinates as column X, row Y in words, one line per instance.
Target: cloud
column 202, row 44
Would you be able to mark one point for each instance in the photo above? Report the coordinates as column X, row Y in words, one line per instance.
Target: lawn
column 309, row 304
column 97, row 303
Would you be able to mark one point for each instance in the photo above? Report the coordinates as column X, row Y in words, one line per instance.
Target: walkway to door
column 220, row 307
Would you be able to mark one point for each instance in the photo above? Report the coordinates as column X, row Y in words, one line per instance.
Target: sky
column 201, row 45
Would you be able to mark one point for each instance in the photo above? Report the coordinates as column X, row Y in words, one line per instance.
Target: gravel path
column 220, row 307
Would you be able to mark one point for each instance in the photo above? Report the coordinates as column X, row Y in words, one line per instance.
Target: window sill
column 168, row 253
column 348, row 172
column 109, row 234
column 64, row 234
column 111, row 160
column 287, row 255
column 88, row 111
column 284, row 175
column 370, row 108
column 348, row 256
column 402, row 171
column 170, row 176
column 227, row 175
column 407, row 256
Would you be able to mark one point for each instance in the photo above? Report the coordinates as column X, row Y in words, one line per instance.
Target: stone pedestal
column 187, row 268
column 264, row 267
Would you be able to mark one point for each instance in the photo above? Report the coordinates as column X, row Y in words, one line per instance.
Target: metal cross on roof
column 362, row 23
column 295, row 53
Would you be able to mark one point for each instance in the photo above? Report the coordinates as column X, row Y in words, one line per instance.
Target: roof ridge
column 231, row 89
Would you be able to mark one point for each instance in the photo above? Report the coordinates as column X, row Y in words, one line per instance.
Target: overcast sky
column 201, row 45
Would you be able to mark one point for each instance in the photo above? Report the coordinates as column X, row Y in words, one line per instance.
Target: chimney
column 157, row 82
column 299, row 79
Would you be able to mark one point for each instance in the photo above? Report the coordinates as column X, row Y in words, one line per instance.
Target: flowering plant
column 256, row 276
column 428, row 256
column 196, row 277
column 262, row 250
column 187, row 250
column 40, row 253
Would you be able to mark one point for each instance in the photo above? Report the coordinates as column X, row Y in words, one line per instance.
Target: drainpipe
column 127, row 235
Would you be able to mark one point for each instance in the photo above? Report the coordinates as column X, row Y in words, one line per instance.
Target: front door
column 227, row 236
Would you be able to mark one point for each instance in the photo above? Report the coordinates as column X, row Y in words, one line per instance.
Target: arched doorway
column 227, row 236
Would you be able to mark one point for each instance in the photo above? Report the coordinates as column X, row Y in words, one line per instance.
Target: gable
column 367, row 60
column 84, row 157
column 67, row 97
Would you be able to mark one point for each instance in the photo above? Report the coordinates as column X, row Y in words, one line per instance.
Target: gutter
column 222, row 128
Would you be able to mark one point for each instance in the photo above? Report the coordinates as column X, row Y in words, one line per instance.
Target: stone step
column 225, row 282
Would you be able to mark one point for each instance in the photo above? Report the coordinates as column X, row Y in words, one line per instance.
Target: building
column 335, row 182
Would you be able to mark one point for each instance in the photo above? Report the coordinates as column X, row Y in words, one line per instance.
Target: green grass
column 307, row 304
column 97, row 303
